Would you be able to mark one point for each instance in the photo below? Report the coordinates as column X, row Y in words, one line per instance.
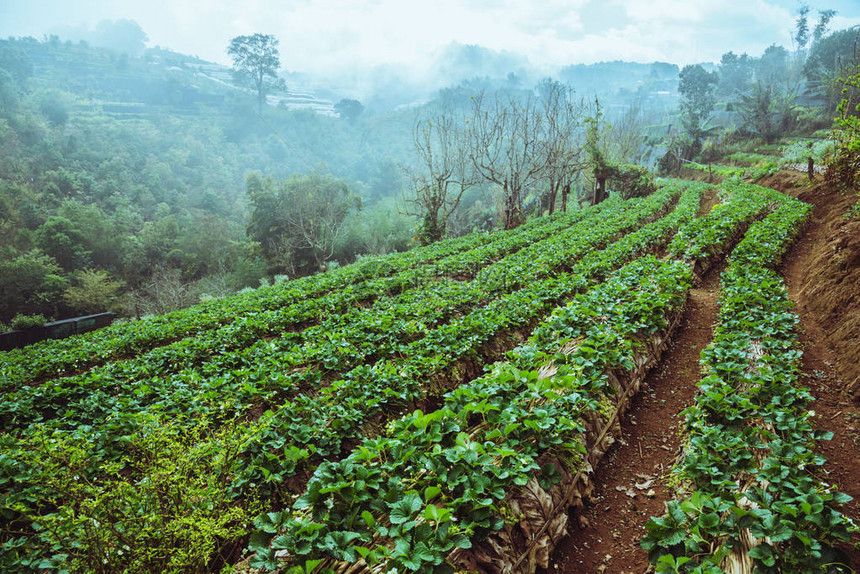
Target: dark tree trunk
column 553, row 192
column 513, row 209
column 600, row 192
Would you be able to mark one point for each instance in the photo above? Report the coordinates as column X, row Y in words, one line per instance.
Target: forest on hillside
column 142, row 181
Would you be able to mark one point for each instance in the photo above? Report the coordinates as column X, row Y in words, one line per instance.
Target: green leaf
column 404, row 508
column 842, row 498
column 709, row 520
column 431, row 492
column 763, row 552
column 368, row 518
column 435, row 514
column 781, row 533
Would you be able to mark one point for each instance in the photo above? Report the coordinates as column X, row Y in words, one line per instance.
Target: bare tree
column 446, row 173
column 318, row 206
column 504, row 147
column 164, row 292
column 626, row 136
column 560, row 145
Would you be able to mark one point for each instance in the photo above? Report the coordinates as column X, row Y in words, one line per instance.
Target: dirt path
column 821, row 275
column 638, row 465
column 806, row 275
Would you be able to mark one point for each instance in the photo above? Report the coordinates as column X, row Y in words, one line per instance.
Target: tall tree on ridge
column 256, row 58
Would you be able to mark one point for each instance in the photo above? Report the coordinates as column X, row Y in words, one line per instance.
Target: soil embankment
column 822, row 273
column 630, row 483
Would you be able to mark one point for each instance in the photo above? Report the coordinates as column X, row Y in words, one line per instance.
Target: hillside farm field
column 447, row 408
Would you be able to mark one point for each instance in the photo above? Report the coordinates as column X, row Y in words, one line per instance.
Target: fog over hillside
column 360, row 45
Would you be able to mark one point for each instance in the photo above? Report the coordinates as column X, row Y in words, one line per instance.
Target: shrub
column 631, row 180
column 162, row 506
column 20, row 322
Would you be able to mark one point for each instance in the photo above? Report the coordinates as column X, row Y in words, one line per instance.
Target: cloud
column 340, row 36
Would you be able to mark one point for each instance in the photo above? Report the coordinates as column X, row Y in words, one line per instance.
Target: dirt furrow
column 817, row 281
column 631, row 483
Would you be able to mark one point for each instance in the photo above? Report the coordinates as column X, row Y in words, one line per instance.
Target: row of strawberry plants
column 408, row 544
column 250, row 329
column 279, row 442
column 436, row 482
column 510, row 242
column 708, row 238
column 319, row 425
column 597, row 263
column 337, row 343
column 750, row 453
column 259, row 372
column 56, row 357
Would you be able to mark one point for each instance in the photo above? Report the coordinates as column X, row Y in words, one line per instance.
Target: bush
column 843, row 162
column 21, row 322
column 631, row 181
column 162, row 507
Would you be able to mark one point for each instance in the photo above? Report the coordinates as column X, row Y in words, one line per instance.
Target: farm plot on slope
column 137, row 455
column 476, row 483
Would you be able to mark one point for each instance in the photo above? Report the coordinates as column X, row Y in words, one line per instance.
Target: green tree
column 298, row 221
column 62, row 240
column 772, row 68
column 94, row 291
column 735, row 74
column 801, row 27
column 99, row 234
column 349, row 109
column 697, row 87
column 16, row 61
column 824, row 18
column 767, row 111
column 255, row 58
column 826, row 58
column 54, row 109
column 30, row 283
column 8, row 93
column 124, row 36
column 843, row 163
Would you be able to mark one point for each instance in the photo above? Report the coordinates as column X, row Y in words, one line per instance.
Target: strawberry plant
column 750, row 448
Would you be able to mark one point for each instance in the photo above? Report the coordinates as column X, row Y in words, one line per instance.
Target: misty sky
column 340, row 35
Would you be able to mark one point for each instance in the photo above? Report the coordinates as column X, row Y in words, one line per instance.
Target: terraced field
column 442, row 409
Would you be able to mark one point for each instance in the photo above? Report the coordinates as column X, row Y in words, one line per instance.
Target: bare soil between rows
column 631, row 483
column 822, row 273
